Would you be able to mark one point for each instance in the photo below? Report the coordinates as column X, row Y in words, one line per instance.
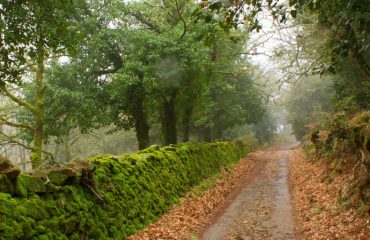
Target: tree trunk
column 67, row 148
column 135, row 94
column 169, row 129
column 36, row 156
column 206, row 134
column 186, row 123
column 22, row 157
column 141, row 124
column 217, row 131
column 56, row 152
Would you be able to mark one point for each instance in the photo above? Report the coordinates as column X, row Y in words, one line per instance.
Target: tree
column 31, row 33
column 308, row 103
column 144, row 66
column 148, row 63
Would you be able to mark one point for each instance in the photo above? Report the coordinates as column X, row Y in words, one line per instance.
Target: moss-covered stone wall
column 107, row 197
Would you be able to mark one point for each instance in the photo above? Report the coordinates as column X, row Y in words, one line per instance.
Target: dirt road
column 262, row 208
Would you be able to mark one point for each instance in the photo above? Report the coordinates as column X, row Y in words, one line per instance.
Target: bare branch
column 11, row 139
column 17, row 125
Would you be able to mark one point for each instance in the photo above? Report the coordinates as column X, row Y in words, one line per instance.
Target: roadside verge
column 314, row 197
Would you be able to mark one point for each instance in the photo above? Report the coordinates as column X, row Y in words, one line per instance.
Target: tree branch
column 115, row 59
column 182, row 19
column 29, row 65
column 139, row 17
column 17, row 125
column 16, row 99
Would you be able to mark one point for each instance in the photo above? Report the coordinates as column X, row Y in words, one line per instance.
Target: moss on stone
column 6, row 185
column 27, row 185
column 57, row 178
column 125, row 193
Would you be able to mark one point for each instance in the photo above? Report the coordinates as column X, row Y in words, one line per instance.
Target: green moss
column 27, row 185
column 5, row 184
column 57, row 178
column 21, row 186
column 150, row 149
column 42, row 237
column 125, row 194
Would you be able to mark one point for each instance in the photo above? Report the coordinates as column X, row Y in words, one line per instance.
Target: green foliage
column 228, row 104
column 123, row 194
column 168, row 70
column 266, row 128
column 352, row 87
column 31, row 32
column 25, row 26
column 308, row 103
column 348, row 26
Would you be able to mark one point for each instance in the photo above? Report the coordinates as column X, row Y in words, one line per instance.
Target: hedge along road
column 262, row 209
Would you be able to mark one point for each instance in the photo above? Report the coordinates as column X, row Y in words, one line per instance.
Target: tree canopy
column 172, row 71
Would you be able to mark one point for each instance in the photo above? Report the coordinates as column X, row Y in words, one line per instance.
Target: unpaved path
column 262, row 209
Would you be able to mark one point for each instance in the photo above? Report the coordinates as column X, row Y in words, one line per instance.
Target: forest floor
column 267, row 195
